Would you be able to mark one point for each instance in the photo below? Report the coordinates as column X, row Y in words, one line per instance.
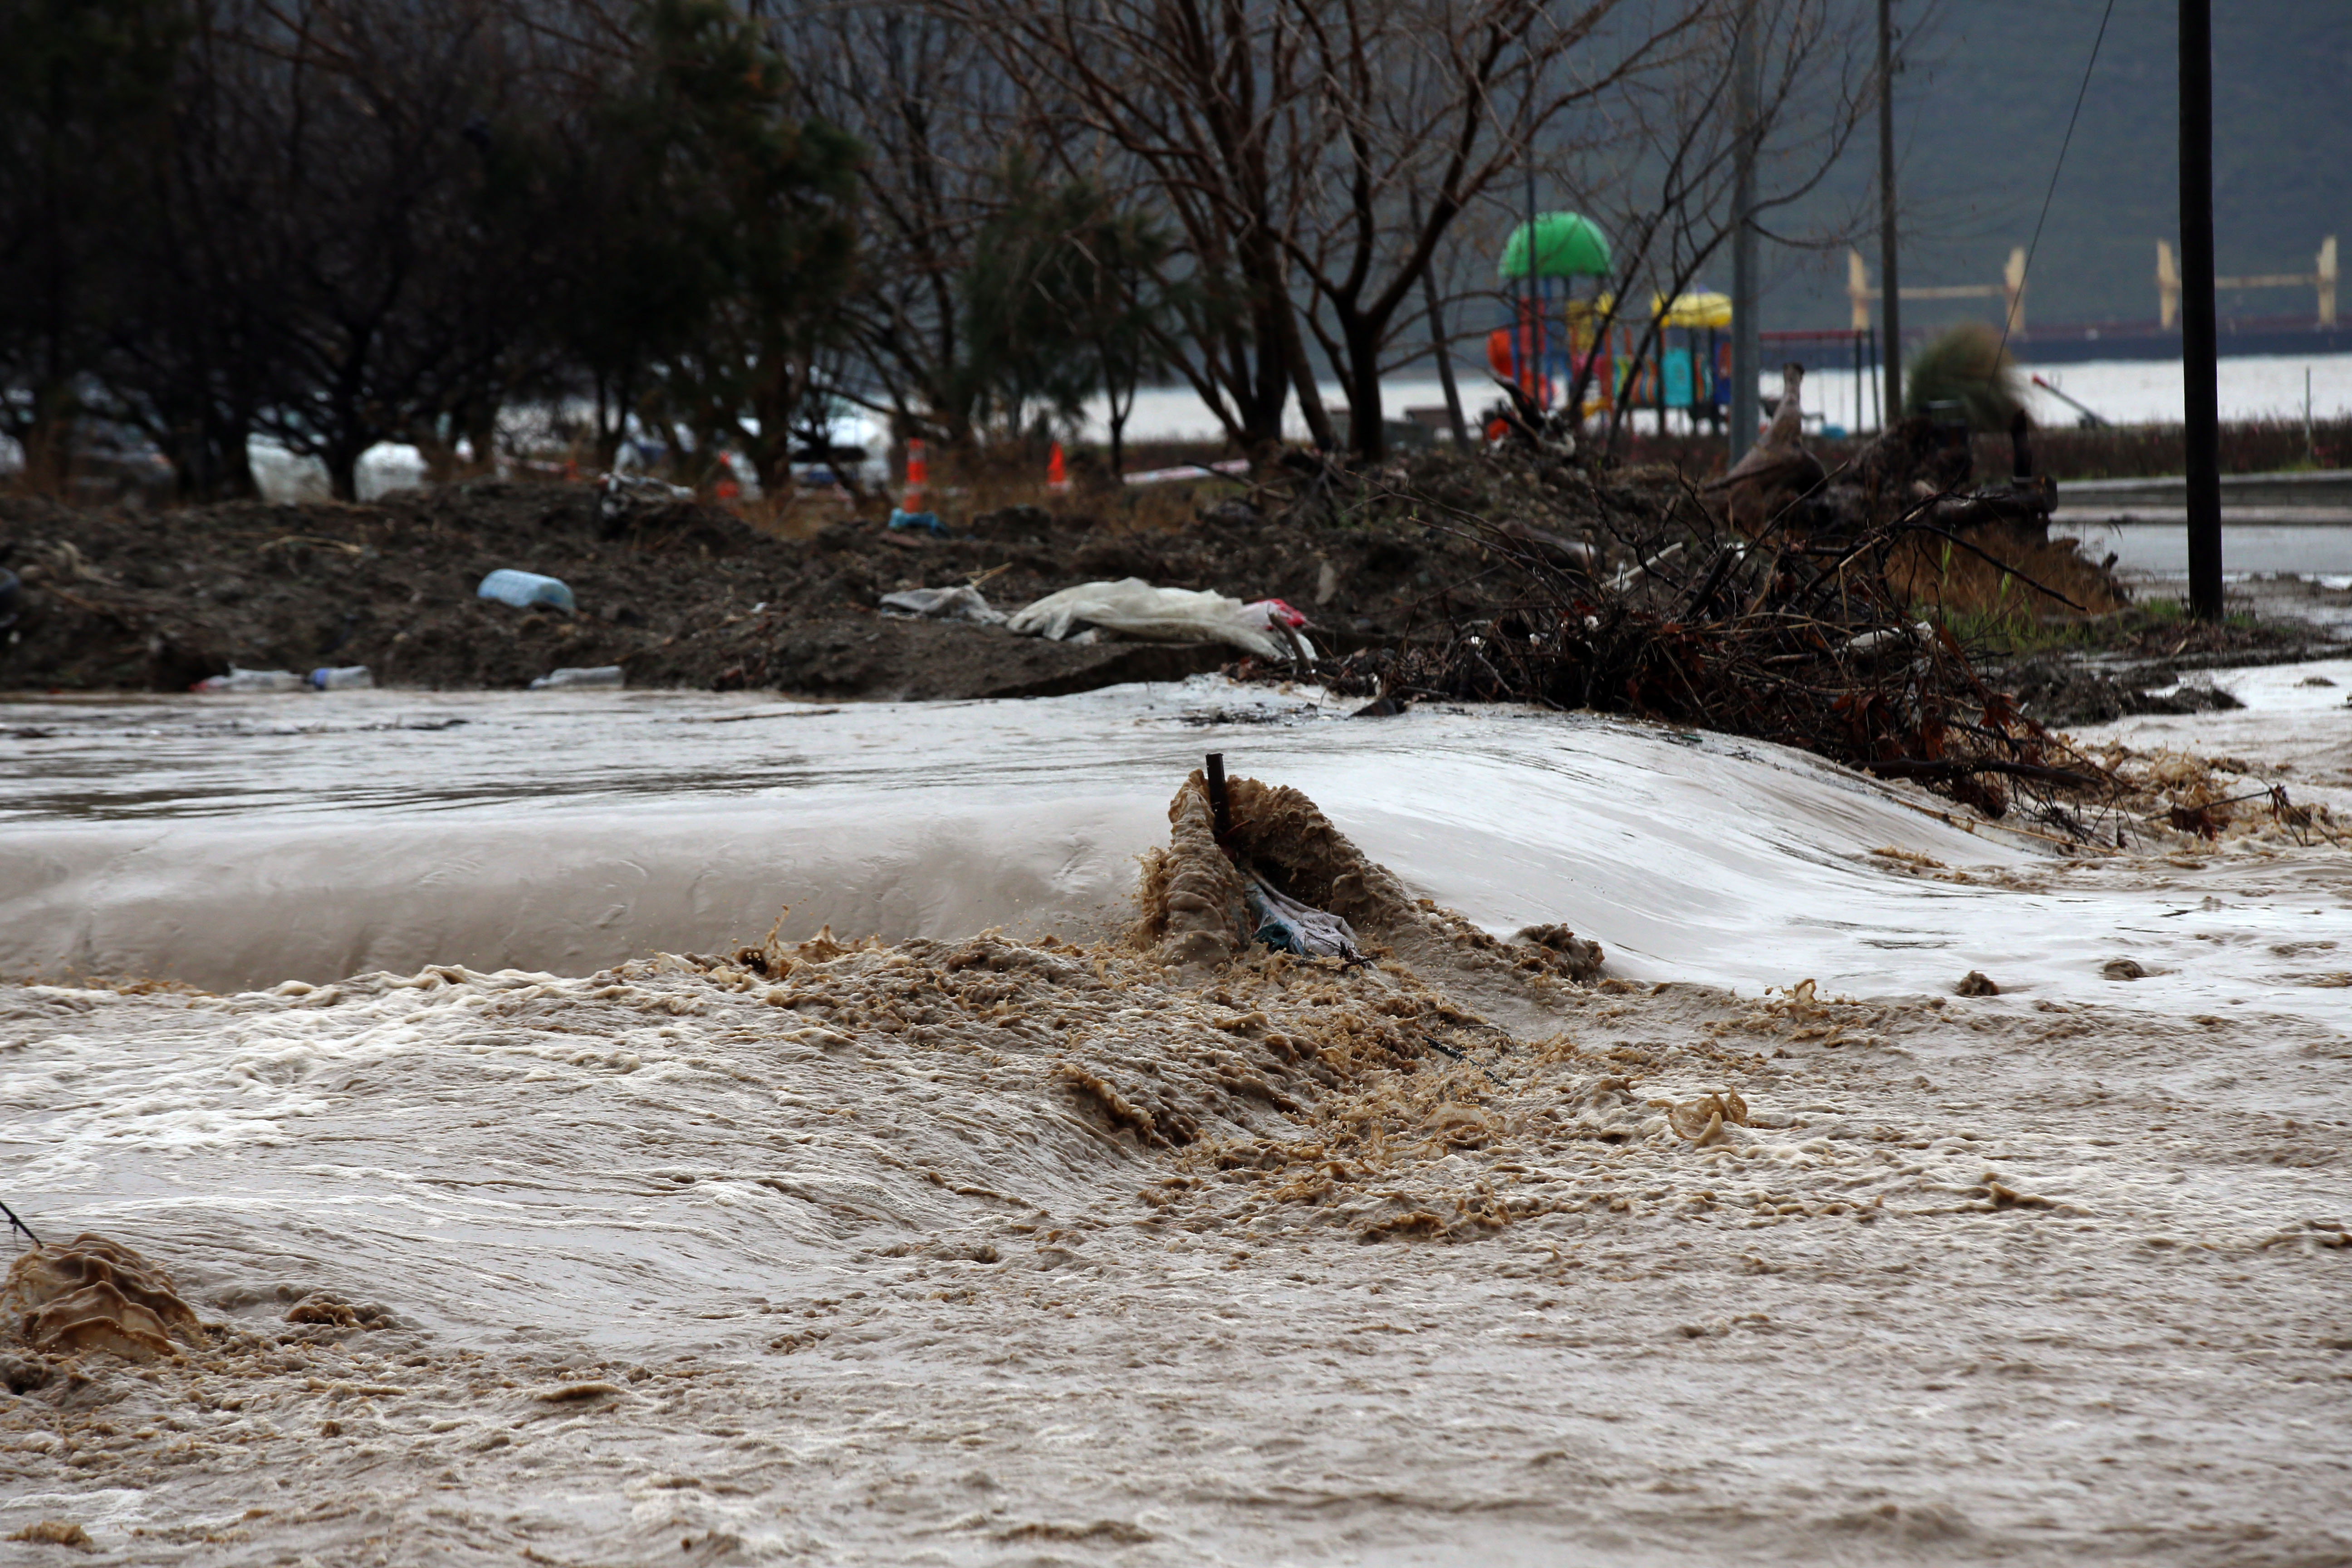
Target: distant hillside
column 1980, row 115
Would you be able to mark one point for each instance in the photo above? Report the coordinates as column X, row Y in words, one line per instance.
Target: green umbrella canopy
column 1568, row 245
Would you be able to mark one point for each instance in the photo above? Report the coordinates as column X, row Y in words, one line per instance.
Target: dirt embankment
column 1432, row 550
column 678, row 595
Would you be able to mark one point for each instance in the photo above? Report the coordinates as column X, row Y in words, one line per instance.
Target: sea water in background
column 2124, row 392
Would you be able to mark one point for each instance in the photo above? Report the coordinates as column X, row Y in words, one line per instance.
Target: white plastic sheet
column 1134, row 608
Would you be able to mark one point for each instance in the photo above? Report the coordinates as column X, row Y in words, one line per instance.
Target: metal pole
column 1220, row 817
column 1891, row 297
column 2200, row 398
column 1536, row 387
column 1746, row 352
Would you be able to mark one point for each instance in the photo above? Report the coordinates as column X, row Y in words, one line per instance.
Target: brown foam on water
column 94, row 1294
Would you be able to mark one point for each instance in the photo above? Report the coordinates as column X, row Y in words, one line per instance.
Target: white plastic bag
column 958, row 604
column 1134, row 608
column 251, row 680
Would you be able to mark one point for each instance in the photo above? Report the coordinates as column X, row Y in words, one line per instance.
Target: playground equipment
column 1693, row 373
column 1541, row 265
column 1556, row 331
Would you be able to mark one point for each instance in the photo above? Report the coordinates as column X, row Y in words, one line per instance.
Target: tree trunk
column 232, row 442
column 1118, row 412
column 772, row 461
column 482, row 434
column 1302, row 378
column 1367, row 435
column 48, row 441
column 342, row 460
column 1261, row 409
column 1444, row 348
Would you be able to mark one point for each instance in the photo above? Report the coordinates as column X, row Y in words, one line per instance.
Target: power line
column 2009, row 317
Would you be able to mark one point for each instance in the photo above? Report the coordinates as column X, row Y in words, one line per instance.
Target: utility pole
column 1747, row 350
column 1535, row 328
column 2200, row 398
column 1891, row 297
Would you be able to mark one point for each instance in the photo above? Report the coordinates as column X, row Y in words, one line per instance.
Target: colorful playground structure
column 1554, row 334
column 1557, row 294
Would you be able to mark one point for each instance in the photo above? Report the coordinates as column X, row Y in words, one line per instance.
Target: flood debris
column 619, row 495
column 600, row 677
column 525, row 590
column 250, row 681
column 961, row 603
column 1132, row 608
column 1823, row 611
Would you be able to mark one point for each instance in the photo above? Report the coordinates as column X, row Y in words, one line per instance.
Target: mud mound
column 92, row 1294
column 1153, row 1050
column 1192, row 903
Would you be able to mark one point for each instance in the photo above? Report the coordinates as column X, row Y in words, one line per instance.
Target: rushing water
column 669, row 1265
column 244, row 840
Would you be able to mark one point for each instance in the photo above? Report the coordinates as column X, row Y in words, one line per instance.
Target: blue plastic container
column 524, row 589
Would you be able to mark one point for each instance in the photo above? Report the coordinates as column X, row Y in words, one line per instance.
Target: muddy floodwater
column 660, row 1215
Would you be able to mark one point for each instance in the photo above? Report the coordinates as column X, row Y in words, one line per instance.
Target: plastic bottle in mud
column 345, row 678
column 525, row 589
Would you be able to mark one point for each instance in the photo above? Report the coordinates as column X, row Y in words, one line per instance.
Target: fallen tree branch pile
column 1626, row 594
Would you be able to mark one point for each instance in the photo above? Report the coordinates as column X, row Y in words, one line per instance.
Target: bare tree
column 361, row 143
column 937, row 119
column 1284, row 138
column 1661, row 181
column 83, row 106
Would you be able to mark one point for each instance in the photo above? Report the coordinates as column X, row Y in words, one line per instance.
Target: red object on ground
column 1057, row 477
column 1276, row 610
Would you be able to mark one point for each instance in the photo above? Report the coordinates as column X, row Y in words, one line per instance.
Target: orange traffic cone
column 1057, row 477
column 918, row 475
